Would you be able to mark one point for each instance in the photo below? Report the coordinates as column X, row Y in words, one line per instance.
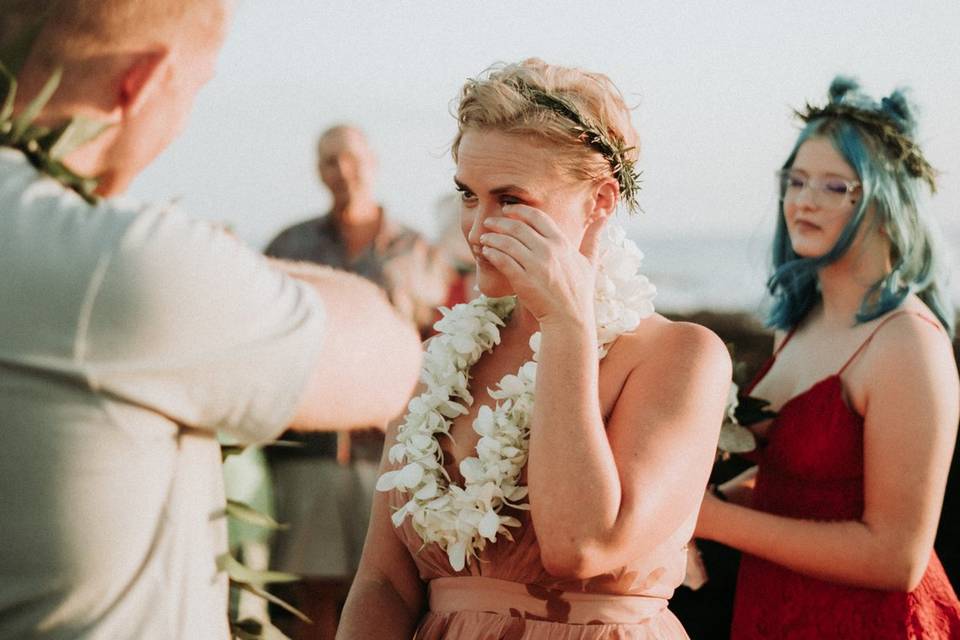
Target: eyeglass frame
column 815, row 185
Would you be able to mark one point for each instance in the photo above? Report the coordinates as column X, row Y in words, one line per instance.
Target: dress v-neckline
column 833, row 377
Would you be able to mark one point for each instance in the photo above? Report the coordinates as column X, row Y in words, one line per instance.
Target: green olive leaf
column 33, row 109
column 245, row 513
column 72, row 135
column 240, row 572
column 736, row 439
column 8, row 94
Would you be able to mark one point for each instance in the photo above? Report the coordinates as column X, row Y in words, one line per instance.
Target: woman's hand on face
column 554, row 279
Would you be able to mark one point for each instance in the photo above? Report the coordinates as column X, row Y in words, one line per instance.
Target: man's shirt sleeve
column 187, row 321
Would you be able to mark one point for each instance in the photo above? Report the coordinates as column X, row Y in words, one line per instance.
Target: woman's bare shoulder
column 658, row 340
column 911, row 340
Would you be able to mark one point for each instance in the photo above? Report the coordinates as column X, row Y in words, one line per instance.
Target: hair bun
column 897, row 108
column 841, row 86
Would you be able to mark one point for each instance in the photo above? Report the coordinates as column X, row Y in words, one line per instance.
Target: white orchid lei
column 463, row 519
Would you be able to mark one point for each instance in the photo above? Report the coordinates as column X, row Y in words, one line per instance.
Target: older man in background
column 356, row 234
column 130, row 334
column 326, row 503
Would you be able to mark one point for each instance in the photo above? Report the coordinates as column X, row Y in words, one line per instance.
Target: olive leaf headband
column 594, row 136
column 899, row 146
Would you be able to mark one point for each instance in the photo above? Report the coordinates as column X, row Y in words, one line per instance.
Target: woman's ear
column 606, row 194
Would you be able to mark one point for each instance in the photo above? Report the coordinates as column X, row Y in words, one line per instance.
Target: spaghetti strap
column 789, row 335
column 878, row 327
column 759, row 375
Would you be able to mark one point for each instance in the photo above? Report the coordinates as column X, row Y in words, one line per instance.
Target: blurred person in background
column 357, row 235
column 837, row 521
column 456, row 251
column 130, row 334
column 326, row 502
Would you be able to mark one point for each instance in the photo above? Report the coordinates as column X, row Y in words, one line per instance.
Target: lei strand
column 462, row 520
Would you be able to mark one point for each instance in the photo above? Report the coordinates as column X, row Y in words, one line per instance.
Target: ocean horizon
column 726, row 274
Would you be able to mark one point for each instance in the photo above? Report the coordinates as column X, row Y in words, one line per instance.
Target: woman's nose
column 476, row 228
column 806, row 198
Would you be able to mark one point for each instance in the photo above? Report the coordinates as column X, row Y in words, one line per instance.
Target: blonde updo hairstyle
column 536, row 99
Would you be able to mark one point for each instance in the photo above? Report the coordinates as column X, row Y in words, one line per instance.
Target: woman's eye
column 835, row 186
column 505, row 200
column 467, row 197
column 796, row 182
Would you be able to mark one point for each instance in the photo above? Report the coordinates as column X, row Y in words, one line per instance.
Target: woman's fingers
column 538, row 220
column 503, row 262
column 508, row 245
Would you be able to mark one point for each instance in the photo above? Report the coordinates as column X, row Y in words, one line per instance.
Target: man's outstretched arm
column 370, row 357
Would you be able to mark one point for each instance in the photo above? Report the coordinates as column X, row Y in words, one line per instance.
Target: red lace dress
column 812, row 468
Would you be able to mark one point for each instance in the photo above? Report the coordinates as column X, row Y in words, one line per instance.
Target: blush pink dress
column 508, row 595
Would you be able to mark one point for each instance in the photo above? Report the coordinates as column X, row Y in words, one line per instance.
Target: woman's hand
column 554, row 278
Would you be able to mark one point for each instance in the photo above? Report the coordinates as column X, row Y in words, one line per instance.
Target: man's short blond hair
column 75, row 31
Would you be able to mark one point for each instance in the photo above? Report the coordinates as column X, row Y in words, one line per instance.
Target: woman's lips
column 805, row 225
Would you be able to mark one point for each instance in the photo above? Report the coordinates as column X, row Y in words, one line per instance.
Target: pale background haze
column 713, row 85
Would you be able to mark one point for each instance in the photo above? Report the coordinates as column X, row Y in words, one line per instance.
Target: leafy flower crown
column 594, row 136
column 899, row 145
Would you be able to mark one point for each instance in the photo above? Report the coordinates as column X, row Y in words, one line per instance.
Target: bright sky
column 713, row 84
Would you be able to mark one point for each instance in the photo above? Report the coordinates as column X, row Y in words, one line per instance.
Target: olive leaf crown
column 45, row 147
column 898, row 144
column 596, row 137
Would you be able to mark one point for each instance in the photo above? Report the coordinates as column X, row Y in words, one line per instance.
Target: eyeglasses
column 825, row 192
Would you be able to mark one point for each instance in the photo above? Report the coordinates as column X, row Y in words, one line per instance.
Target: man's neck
column 358, row 222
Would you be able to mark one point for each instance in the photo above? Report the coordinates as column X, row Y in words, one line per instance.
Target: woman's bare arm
column 621, row 489
column 387, row 598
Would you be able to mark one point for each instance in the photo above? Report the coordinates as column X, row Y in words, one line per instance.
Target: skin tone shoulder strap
column 869, row 339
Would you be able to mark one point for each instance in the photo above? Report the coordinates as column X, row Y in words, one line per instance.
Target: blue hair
column 894, row 193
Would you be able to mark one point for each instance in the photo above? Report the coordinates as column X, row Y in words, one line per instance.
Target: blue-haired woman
column 838, row 521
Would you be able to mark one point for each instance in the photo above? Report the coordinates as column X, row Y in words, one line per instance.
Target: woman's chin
column 808, row 247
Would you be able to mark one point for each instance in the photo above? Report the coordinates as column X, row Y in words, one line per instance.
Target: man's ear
column 141, row 79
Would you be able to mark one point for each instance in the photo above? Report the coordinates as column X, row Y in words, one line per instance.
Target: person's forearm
column 375, row 611
column 370, row 358
column 739, row 490
column 847, row 552
column 572, row 473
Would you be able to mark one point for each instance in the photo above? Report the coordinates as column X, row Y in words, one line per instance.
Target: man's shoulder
column 401, row 234
column 294, row 235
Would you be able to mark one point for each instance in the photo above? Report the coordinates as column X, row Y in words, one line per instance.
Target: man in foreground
column 130, row 334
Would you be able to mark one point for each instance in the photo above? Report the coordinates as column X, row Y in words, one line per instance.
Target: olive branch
column 45, row 147
column 596, row 137
column 242, row 577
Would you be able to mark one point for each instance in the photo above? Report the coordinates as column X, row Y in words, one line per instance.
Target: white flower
column 488, row 525
column 733, row 401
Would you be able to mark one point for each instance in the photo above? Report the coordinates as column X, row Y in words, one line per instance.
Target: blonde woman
column 546, row 479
